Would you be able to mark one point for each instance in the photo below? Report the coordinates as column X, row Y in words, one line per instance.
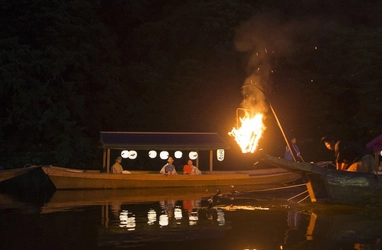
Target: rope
column 297, row 195
column 279, row 188
column 303, row 199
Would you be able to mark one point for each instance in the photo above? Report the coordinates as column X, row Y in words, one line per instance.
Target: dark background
column 70, row 69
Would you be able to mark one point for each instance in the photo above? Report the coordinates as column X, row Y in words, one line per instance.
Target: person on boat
column 117, row 167
column 190, row 168
column 350, row 156
column 169, row 168
column 295, row 151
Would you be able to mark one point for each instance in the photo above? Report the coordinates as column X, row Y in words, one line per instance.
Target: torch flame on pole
column 250, row 131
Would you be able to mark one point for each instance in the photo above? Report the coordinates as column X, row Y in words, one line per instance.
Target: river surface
column 238, row 221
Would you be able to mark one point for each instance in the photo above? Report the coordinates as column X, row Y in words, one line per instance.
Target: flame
column 249, row 134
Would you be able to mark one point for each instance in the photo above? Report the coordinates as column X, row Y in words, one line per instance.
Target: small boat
column 7, row 174
column 65, row 178
column 328, row 185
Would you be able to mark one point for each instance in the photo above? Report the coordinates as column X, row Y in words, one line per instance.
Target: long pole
column 282, row 131
column 277, row 120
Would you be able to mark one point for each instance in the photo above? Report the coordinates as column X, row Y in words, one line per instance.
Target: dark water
column 104, row 220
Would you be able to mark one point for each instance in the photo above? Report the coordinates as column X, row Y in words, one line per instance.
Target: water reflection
column 246, row 221
column 162, row 221
column 127, row 220
column 151, row 216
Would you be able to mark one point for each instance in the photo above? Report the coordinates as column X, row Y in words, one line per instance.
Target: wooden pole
column 108, row 161
column 277, row 120
column 104, row 160
column 282, row 131
column 197, row 161
column 211, row 160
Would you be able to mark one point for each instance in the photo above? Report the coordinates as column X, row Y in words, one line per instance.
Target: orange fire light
column 249, row 133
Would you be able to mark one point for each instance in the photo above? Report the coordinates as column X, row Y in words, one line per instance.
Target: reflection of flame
column 249, row 134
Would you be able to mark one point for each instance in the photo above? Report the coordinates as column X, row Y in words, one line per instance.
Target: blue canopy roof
column 162, row 141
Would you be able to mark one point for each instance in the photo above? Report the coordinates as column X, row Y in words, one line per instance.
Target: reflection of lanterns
column 163, row 220
column 133, row 154
column 178, row 154
column 127, row 221
column 123, row 218
column 220, row 217
column 193, row 155
column 163, row 155
column 131, row 223
column 220, row 154
column 193, row 218
column 152, row 154
column 125, row 154
column 151, row 217
column 177, row 213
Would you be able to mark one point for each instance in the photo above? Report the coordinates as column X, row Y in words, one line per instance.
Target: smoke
column 263, row 39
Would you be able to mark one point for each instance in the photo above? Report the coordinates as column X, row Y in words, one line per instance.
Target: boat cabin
column 161, row 141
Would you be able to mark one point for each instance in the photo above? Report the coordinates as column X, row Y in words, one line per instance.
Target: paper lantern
column 193, row 155
column 163, row 155
column 220, row 154
column 133, row 154
column 178, row 154
column 152, row 154
column 125, row 154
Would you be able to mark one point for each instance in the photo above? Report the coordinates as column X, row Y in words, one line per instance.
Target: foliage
column 70, row 69
column 56, row 78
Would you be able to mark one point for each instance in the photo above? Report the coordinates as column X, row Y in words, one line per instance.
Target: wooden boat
column 15, row 172
column 64, row 178
column 332, row 186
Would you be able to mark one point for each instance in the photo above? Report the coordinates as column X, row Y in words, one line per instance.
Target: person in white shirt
column 169, row 168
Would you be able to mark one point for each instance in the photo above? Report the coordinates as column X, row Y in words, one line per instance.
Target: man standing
column 350, row 156
column 295, row 151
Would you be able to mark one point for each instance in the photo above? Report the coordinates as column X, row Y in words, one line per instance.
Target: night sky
column 70, row 69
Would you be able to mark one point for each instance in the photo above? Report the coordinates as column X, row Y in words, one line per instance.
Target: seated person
column 169, row 168
column 190, row 168
column 117, row 167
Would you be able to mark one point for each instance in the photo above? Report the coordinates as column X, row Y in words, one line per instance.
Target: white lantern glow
column 178, row 154
column 133, row 154
column 193, row 155
column 152, row 154
column 125, row 154
column 220, row 154
column 163, row 155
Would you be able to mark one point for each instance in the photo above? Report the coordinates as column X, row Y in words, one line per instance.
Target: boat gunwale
column 92, row 174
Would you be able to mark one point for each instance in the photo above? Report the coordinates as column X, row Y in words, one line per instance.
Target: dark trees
column 72, row 68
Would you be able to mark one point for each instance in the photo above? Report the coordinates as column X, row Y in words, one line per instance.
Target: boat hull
column 12, row 173
column 64, row 178
column 333, row 186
